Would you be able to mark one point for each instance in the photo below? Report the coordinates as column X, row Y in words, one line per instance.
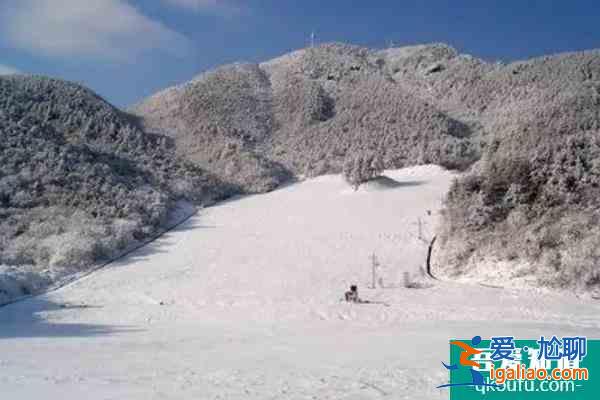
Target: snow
column 242, row 302
column 13, row 278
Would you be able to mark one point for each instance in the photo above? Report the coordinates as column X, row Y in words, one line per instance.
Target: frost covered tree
column 79, row 181
column 362, row 168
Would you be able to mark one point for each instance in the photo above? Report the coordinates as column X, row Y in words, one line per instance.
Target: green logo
column 505, row 368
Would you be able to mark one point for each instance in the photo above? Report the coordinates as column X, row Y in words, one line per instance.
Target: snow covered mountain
column 527, row 133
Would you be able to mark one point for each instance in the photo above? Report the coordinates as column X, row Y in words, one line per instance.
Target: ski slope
column 242, row 302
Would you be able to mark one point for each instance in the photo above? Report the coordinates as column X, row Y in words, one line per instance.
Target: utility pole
column 374, row 267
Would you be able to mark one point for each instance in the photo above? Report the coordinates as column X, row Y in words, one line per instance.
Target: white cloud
column 218, row 6
column 6, row 70
column 194, row 4
column 112, row 29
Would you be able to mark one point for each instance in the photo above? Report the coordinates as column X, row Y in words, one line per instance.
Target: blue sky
column 128, row 49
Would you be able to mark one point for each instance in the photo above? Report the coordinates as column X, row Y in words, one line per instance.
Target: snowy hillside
column 242, row 302
column 525, row 131
column 80, row 182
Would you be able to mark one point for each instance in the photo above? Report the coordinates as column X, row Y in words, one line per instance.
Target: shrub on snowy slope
column 362, row 169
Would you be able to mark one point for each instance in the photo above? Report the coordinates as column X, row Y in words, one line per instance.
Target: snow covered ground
column 242, row 302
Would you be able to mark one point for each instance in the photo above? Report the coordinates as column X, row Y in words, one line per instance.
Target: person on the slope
column 352, row 295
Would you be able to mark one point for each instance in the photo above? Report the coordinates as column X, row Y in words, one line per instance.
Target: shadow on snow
column 26, row 320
